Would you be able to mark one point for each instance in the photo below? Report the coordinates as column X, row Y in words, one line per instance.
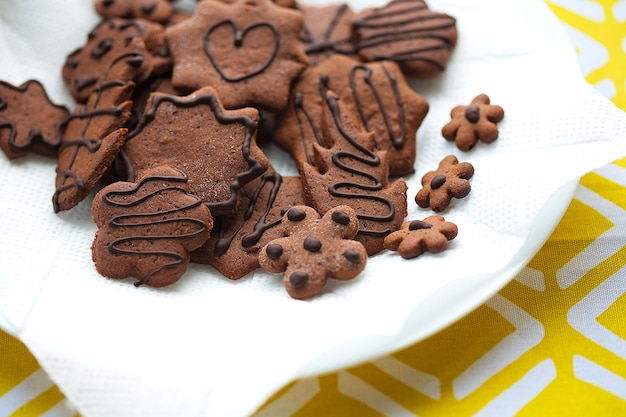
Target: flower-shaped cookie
column 146, row 229
column 472, row 123
column 315, row 249
column 418, row 236
column 451, row 179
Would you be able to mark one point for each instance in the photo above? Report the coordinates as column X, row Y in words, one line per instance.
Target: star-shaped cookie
column 248, row 51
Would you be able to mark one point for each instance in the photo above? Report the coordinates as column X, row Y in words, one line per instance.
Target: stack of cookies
column 174, row 107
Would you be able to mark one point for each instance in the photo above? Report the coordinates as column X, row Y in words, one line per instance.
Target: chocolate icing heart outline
column 238, row 40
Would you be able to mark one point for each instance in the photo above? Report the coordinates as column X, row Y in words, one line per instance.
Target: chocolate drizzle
column 399, row 140
column 366, row 157
column 255, row 167
column 323, row 44
column 124, row 199
column 261, row 226
column 238, row 37
column 82, row 142
column 397, row 25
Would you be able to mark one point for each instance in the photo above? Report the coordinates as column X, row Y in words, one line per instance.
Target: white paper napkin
column 211, row 347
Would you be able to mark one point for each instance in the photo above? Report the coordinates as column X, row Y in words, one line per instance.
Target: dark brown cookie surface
column 314, row 249
column 377, row 93
column 146, row 229
column 408, row 32
column 29, row 121
column 215, row 147
column 248, row 51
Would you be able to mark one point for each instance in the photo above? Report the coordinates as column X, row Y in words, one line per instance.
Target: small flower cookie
column 451, row 179
column 418, row 236
column 315, row 249
column 472, row 123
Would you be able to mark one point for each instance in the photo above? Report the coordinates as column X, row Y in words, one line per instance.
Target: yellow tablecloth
column 551, row 343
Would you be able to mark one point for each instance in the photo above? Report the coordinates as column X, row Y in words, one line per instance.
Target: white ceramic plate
column 209, row 345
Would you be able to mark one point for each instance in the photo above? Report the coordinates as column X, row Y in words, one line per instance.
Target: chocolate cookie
column 248, row 51
column 314, row 250
column 155, row 10
column 90, row 140
column 215, row 147
column 327, row 31
column 419, row 39
column 146, row 229
column 418, row 236
column 377, row 93
column 473, row 123
column 348, row 170
column 233, row 248
column 29, row 121
column 139, row 43
column 450, row 180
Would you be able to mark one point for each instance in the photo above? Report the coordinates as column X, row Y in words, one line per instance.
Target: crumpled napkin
column 211, row 347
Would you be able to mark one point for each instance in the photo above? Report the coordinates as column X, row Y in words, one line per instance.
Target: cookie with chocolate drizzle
column 215, row 147
column 376, row 92
column 140, row 43
column 234, row 245
column 146, row 229
column 348, row 170
column 408, row 32
column 248, row 51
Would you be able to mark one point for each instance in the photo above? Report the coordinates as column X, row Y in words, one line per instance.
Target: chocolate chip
column 472, row 114
column 135, row 61
column 298, row 280
column 437, row 181
column 341, row 217
column 107, row 3
column 102, row 48
column 274, row 251
column 3, row 103
column 148, row 8
column 312, row 244
column 296, row 215
column 419, row 224
column 352, row 256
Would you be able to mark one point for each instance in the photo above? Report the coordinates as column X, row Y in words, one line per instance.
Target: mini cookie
column 347, row 170
column 420, row 40
column 28, row 120
column 451, row 179
column 418, row 236
column 377, row 93
column 91, row 138
column 472, row 123
column 146, row 229
column 314, row 250
column 327, row 31
column 248, row 51
column 155, row 10
column 216, row 148
column 138, row 43
column 233, row 248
